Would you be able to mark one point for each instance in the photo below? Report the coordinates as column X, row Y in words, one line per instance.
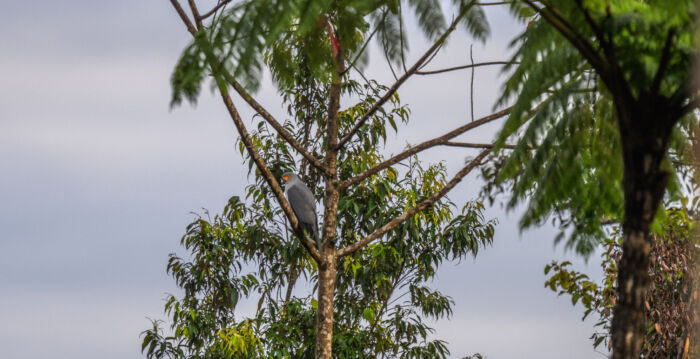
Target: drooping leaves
column 568, row 159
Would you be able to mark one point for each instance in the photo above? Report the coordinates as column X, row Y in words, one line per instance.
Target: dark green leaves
column 567, row 163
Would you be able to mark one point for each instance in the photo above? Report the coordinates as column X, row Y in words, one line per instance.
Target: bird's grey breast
column 301, row 198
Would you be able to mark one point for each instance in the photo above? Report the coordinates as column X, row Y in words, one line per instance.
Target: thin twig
column 377, row 105
column 362, row 49
column 215, row 9
column 433, row 72
column 471, row 88
column 424, row 146
column 475, row 145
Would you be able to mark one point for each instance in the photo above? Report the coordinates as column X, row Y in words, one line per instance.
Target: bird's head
column 288, row 176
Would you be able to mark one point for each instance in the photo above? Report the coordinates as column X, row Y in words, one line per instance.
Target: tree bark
column 645, row 134
column 326, row 289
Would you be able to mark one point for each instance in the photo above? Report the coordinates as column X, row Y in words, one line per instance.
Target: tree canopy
column 602, row 113
column 383, row 297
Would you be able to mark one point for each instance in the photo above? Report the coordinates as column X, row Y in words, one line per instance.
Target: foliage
column 250, row 34
column 670, row 305
column 568, row 159
column 383, row 300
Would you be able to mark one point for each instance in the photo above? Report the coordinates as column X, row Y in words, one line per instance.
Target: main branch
column 421, row 206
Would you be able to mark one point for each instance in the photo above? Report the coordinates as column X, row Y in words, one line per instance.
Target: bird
column 303, row 204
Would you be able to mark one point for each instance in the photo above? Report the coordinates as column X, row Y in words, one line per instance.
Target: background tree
column 309, row 47
column 610, row 82
column 671, row 303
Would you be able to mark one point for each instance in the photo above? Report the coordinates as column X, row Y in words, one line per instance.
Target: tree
column 670, row 304
column 309, row 47
column 611, row 83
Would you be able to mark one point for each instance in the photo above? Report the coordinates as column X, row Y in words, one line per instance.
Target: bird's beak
column 286, row 178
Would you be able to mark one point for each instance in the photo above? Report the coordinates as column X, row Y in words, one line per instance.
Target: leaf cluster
column 670, row 313
column 567, row 163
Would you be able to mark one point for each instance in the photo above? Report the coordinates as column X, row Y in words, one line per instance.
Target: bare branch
column 421, row 206
column 184, row 17
column 377, row 105
column 464, row 67
column 215, row 9
column 276, row 125
column 425, row 145
column 475, row 145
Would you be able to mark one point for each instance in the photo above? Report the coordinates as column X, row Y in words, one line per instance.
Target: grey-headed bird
column 303, row 204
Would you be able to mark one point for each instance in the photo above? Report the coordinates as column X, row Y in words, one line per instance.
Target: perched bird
column 303, row 204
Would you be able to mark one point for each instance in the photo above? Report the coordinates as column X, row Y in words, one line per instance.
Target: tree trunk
column 326, row 290
column 327, row 264
column 644, row 144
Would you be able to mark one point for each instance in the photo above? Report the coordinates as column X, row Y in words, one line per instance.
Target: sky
column 98, row 179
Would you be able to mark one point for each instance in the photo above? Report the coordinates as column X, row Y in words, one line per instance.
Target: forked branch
column 419, row 207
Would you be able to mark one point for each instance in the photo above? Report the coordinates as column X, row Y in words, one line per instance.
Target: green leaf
column 368, row 314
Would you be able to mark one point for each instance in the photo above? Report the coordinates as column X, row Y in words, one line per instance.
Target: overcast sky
column 98, row 179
